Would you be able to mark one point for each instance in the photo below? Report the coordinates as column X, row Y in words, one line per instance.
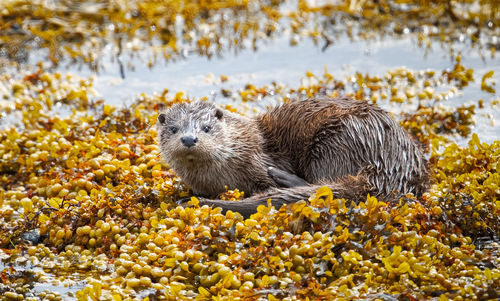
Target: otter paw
column 184, row 202
column 285, row 179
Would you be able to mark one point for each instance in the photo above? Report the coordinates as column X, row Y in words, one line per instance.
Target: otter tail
column 350, row 187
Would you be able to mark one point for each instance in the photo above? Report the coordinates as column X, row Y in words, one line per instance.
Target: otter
column 286, row 153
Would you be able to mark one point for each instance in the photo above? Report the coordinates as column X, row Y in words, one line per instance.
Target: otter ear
column 219, row 114
column 162, row 118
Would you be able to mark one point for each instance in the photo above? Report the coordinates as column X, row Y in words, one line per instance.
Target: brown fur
column 230, row 155
column 351, row 146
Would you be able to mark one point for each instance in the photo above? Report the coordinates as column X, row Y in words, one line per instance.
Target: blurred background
column 215, row 49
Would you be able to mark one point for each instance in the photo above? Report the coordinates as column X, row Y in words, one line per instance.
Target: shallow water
column 277, row 61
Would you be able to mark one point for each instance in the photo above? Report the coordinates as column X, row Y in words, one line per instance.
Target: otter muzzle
column 189, row 141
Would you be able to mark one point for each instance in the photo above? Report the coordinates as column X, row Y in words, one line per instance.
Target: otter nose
column 189, row 141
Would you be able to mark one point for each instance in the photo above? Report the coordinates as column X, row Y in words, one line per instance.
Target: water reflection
column 79, row 32
column 278, row 62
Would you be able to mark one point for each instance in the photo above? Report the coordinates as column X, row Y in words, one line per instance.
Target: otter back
column 324, row 140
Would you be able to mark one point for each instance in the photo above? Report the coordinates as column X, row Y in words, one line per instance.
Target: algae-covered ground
column 88, row 210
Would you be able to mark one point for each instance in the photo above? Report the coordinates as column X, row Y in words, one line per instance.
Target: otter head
column 190, row 134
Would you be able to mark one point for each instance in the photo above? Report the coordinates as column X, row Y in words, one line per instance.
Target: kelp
column 84, row 194
column 87, row 204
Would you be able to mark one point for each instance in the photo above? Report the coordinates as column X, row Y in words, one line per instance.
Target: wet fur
column 351, row 146
column 225, row 157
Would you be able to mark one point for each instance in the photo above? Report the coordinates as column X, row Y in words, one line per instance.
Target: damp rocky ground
column 88, row 209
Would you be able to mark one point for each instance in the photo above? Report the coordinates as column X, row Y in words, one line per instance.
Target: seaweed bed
column 88, row 209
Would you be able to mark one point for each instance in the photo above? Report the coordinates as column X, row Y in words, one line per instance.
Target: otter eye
column 173, row 129
column 206, row 129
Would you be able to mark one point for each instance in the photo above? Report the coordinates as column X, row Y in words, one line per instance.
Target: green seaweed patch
column 467, row 181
